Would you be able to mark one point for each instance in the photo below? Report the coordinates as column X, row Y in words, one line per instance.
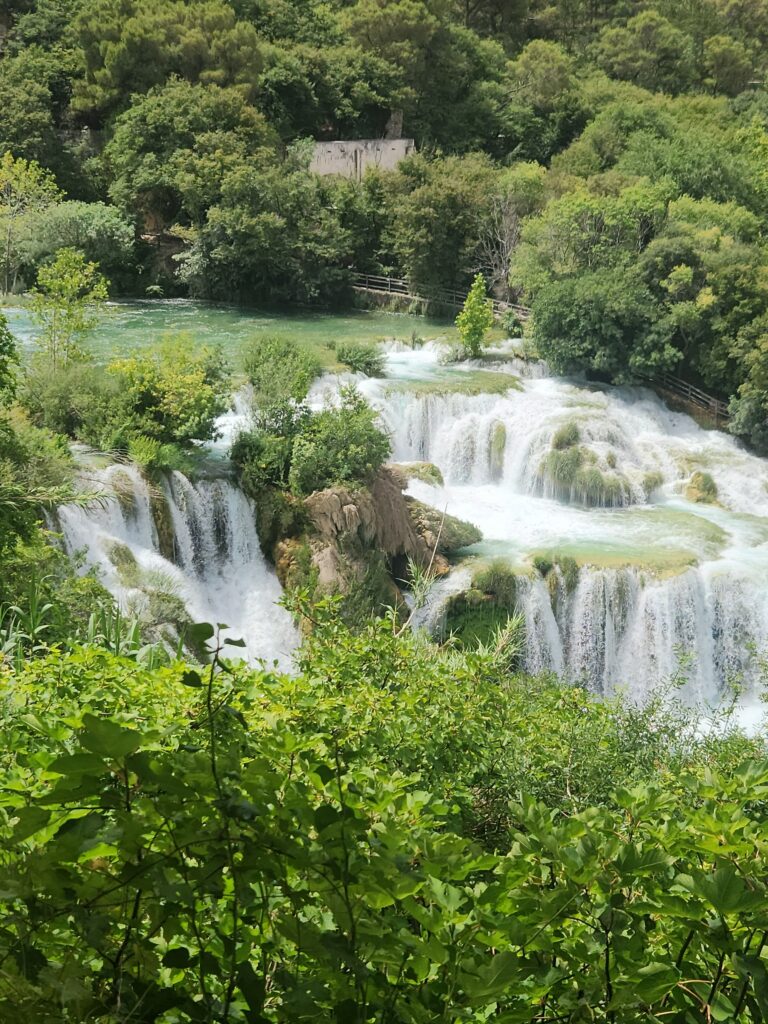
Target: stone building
column 352, row 158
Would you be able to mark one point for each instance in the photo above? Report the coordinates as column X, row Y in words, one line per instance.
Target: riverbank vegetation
column 363, row 840
column 404, row 830
column 603, row 163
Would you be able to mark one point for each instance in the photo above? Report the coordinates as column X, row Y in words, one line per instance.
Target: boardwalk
column 376, row 284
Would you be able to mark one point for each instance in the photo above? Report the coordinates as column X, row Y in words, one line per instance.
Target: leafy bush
column 475, row 319
column 497, row 580
column 236, row 860
column 361, row 358
column 279, row 368
column 174, row 393
column 338, row 446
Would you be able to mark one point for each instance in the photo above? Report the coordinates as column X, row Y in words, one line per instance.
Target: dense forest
column 603, row 162
column 404, row 830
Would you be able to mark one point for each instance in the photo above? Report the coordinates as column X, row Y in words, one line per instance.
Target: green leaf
column 103, row 736
column 199, row 633
column 254, row 990
column 31, row 820
column 191, row 678
column 77, row 764
column 235, row 643
column 493, row 981
column 654, row 980
column 178, row 957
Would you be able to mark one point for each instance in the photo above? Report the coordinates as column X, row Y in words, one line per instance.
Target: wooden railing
column 690, row 393
column 381, row 285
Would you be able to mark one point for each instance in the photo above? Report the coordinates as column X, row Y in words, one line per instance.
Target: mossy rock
column 163, row 520
column 472, row 618
column 124, row 560
column 122, row 485
column 497, row 450
column 454, row 534
column 167, row 609
column 573, row 477
column 702, row 489
column 427, row 472
column 652, row 482
column 566, row 436
column 278, row 516
column 498, row 582
column 464, row 382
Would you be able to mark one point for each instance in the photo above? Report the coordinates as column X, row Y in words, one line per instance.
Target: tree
column 475, row 319
column 25, row 188
column 338, row 445
column 27, row 127
column 278, row 233
column 521, row 194
column 8, row 362
column 436, row 211
column 66, row 303
column 131, row 46
column 650, row 52
column 101, row 232
column 728, row 64
column 599, row 321
column 172, row 149
column 173, row 394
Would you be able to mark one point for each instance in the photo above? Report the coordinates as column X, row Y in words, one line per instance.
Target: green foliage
column 338, row 446
column 475, row 319
column 150, row 41
column 8, row 363
column 701, row 488
column 25, row 188
column 171, row 151
column 66, row 304
column 173, row 394
column 361, row 358
column 279, row 369
column 100, row 232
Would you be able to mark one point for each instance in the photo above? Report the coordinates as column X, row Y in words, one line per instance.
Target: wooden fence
column 690, row 393
column 380, row 285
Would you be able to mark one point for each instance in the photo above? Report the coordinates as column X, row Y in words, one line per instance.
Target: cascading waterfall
column 183, row 547
column 665, row 589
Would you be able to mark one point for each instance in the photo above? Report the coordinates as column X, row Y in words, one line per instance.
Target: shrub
column 174, row 393
column 361, row 358
column 279, row 368
column 475, row 319
column 338, row 446
column 499, row 582
column 263, row 455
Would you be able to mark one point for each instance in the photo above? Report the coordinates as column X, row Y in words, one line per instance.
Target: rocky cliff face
column 362, row 540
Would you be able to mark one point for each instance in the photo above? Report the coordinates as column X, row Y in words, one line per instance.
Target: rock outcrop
column 364, row 538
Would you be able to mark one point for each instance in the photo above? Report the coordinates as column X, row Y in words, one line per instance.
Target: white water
column 667, row 588
column 217, row 569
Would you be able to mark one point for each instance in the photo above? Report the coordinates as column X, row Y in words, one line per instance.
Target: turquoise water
column 128, row 327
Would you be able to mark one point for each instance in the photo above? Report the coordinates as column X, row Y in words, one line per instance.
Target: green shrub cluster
column 392, row 832
column 293, row 448
column 279, row 369
column 153, row 405
column 360, row 358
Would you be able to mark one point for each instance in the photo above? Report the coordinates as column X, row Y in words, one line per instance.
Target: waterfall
column 189, row 550
column 665, row 589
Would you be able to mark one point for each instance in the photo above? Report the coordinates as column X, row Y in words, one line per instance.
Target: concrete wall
column 352, row 159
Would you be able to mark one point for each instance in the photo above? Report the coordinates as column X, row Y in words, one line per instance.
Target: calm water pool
column 131, row 326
